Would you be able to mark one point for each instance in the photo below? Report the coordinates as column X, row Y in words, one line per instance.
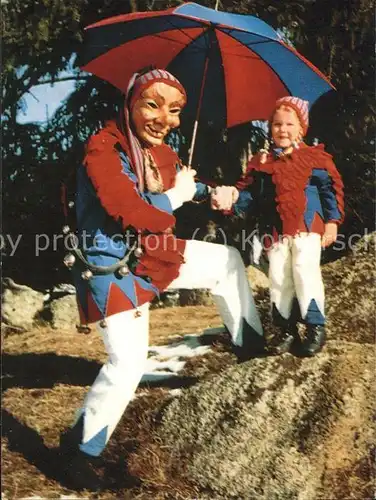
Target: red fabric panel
column 166, row 159
column 143, row 295
column 83, row 319
column 116, row 192
column 117, row 301
column 162, row 265
column 250, row 83
column 118, row 65
column 93, row 312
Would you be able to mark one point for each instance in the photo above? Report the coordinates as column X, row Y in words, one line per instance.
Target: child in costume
column 131, row 180
column 297, row 193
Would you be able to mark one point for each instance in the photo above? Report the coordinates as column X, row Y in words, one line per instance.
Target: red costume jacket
column 295, row 193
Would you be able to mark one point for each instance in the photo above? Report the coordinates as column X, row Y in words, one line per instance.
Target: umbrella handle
column 193, row 141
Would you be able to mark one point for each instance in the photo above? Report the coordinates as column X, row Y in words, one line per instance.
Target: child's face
column 286, row 127
column 156, row 112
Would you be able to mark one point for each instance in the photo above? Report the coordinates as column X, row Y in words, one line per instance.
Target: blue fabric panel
column 160, row 201
column 327, row 195
column 189, row 67
column 248, row 23
column 201, row 191
column 298, row 78
column 314, row 316
column 81, row 288
column 127, row 167
column 244, row 203
column 97, row 443
column 313, row 205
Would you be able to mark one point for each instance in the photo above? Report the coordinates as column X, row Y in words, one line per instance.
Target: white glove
column 184, row 189
column 223, row 197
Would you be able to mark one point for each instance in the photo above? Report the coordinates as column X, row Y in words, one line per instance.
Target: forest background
column 42, row 37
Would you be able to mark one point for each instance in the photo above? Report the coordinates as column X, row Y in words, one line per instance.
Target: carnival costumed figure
column 297, row 194
column 132, row 181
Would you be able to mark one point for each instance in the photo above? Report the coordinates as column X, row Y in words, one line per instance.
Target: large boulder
column 64, row 313
column 20, row 305
column 195, row 297
column 277, row 428
column 350, row 293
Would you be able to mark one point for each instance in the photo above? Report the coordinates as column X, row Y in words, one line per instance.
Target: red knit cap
column 299, row 106
column 144, row 81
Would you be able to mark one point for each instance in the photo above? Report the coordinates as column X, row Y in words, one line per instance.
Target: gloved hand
column 184, row 189
column 223, row 197
column 185, row 183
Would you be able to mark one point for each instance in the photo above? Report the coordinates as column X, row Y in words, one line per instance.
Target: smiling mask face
column 156, row 112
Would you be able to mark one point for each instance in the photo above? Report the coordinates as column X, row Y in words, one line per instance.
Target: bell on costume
column 123, row 271
column 83, row 329
column 138, row 252
column 65, row 229
column 87, row 274
column 69, row 260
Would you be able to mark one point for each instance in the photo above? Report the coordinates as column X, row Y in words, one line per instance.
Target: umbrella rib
column 159, row 35
column 262, row 59
column 182, row 29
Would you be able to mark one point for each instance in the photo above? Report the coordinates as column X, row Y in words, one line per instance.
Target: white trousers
column 294, row 271
column 207, row 265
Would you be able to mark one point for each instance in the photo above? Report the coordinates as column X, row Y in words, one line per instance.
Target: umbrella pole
column 193, row 141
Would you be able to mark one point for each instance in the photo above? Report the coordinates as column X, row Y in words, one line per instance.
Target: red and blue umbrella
column 234, row 67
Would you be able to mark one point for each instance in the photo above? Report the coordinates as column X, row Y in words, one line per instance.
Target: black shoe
column 314, row 341
column 80, row 474
column 71, row 439
column 282, row 342
column 254, row 345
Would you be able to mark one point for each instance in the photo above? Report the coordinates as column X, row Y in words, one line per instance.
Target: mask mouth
column 158, row 134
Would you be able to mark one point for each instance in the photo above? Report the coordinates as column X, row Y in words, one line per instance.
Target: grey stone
column 64, row 313
column 350, row 285
column 270, row 428
column 196, row 297
column 20, row 305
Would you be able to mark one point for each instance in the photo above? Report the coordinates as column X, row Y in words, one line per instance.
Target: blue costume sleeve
column 159, row 200
column 202, row 192
column 328, row 198
column 243, row 204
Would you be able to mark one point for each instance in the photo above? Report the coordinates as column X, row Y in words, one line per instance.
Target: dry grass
column 45, row 377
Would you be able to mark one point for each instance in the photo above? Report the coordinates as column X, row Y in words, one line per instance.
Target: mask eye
column 152, row 104
column 175, row 111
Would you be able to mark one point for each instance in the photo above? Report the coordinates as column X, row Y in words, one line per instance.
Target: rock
column 196, row 297
column 64, row 313
column 275, row 428
column 257, row 278
column 350, row 293
column 20, row 305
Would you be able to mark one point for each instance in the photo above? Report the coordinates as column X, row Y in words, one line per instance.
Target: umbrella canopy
column 244, row 64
